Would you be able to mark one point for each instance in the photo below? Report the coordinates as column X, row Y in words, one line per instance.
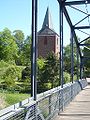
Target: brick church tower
column 48, row 39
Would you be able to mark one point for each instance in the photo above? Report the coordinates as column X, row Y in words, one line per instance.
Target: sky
column 17, row 14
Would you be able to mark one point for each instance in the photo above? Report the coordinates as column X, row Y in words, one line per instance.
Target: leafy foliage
column 86, row 53
column 26, row 73
column 66, row 77
column 9, row 74
column 15, row 64
column 24, row 55
column 49, row 72
column 8, row 47
column 67, row 59
column 19, row 38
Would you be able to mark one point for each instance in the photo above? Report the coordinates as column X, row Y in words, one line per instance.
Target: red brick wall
column 45, row 47
column 57, row 46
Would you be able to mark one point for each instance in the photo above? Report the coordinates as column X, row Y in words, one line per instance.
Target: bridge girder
column 63, row 10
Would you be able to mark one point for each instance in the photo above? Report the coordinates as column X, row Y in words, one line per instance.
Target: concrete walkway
column 79, row 108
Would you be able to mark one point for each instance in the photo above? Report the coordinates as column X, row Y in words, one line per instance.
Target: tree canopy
column 86, row 54
column 8, row 47
column 19, row 37
column 67, row 58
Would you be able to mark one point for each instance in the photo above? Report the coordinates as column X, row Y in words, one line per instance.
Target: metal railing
column 47, row 105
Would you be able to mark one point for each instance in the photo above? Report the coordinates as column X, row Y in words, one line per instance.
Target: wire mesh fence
column 48, row 103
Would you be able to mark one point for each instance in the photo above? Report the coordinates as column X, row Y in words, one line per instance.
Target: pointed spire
column 47, row 20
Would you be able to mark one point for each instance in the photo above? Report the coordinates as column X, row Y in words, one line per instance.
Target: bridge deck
column 79, row 108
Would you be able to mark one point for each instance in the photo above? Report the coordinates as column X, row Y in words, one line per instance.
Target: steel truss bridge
column 45, row 105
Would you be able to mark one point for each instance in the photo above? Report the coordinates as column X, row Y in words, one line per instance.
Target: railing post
column 81, row 68
column 49, row 104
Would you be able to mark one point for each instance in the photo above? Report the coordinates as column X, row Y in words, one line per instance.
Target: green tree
column 86, row 53
column 50, row 71
column 19, row 38
column 25, row 53
column 67, row 59
column 8, row 47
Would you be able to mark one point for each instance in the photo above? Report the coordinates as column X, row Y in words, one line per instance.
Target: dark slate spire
column 47, row 20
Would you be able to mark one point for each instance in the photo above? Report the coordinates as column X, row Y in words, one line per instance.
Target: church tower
column 48, row 39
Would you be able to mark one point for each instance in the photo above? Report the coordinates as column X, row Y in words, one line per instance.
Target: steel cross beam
column 71, row 26
column 82, row 27
column 73, row 34
column 77, row 2
column 84, row 39
column 84, row 44
column 82, row 20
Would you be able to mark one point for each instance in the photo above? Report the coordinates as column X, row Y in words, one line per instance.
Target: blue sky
column 16, row 14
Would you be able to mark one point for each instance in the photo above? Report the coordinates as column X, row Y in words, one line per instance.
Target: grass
column 2, row 101
column 8, row 99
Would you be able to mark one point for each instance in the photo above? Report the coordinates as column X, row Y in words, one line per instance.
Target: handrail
column 46, row 105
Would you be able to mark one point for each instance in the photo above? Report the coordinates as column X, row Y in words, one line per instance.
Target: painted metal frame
column 73, row 34
column 34, row 50
column 63, row 11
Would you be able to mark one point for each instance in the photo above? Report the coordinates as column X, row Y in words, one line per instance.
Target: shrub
column 66, row 77
column 9, row 74
column 26, row 73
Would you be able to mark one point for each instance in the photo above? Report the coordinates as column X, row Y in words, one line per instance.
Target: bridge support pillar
column 34, row 50
column 61, row 43
column 72, row 53
column 61, row 3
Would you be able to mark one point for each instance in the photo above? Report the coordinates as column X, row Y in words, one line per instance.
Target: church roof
column 47, row 27
column 47, row 20
column 47, row 31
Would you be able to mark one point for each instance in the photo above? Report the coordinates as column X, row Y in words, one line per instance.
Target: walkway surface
column 79, row 108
